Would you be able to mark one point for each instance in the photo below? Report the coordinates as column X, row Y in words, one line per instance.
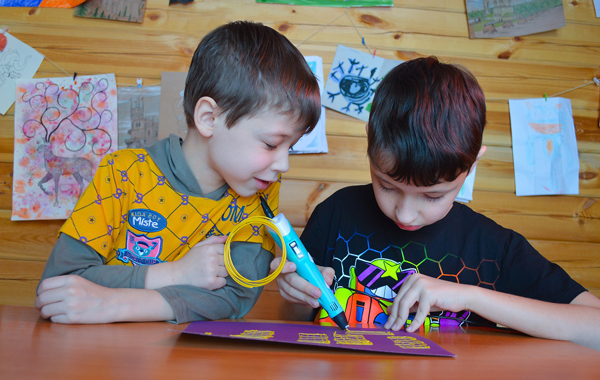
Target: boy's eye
column 434, row 199
column 270, row 147
column 385, row 189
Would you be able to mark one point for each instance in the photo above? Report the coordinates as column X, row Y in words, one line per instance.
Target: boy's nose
column 406, row 213
column 282, row 161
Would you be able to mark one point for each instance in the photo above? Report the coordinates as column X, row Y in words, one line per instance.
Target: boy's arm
column 73, row 299
column 191, row 303
column 70, row 256
column 103, row 303
column 578, row 321
column 76, row 287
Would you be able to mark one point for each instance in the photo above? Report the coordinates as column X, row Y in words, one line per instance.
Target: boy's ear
column 481, row 152
column 204, row 115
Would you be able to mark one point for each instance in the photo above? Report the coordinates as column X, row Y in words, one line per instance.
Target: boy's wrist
column 472, row 297
column 126, row 305
column 161, row 275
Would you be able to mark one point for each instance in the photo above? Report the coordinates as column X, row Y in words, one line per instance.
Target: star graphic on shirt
column 391, row 270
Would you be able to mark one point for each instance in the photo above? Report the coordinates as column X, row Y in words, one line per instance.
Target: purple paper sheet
column 362, row 339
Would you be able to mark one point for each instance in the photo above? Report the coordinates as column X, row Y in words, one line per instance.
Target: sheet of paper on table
column 361, row 339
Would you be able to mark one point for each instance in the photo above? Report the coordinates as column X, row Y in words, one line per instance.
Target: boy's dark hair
column 426, row 122
column 247, row 68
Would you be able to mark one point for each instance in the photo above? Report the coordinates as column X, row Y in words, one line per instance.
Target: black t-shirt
column 372, row 256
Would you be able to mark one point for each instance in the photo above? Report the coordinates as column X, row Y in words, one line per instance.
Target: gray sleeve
column 70, row 256
column 191, row 303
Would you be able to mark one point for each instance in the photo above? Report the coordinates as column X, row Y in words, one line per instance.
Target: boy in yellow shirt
column 145, row 240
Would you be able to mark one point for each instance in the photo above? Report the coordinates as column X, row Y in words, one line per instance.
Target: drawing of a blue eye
column 355, row 89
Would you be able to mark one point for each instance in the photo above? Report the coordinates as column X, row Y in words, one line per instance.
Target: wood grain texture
column 566, row 229
column 32, row 348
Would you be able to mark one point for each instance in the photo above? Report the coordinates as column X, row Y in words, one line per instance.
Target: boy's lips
column 407, row 228
column 262, row 184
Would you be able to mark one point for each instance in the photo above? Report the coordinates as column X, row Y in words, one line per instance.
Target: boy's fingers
column 298, row 290
column 392, row 314
column 51, row 310
column 406, row 302
column 47, row 297
column 418, row 320
column 400, row 307
column 328, row 274
column 213, row 240
column 60, row 318
column 289, row 266
column 222, row 272
column 275, row 263
column 304, row 286
column 51, row 283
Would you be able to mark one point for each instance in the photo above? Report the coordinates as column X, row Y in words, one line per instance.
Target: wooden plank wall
column 566, row 229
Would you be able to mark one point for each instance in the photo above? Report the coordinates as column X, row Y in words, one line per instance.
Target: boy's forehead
column 275, row 123
column 438, row 187
column 291, row 120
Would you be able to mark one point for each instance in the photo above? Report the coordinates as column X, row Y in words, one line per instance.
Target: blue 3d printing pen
column 305, row 267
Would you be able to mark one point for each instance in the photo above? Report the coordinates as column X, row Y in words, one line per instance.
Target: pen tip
column 265, row 207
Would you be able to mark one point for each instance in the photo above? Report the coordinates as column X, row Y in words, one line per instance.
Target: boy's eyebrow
column 437, row 191
column 278, row 134
column 427, row 188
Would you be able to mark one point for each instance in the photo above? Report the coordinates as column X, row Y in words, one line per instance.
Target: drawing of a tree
column 71, row 117
column 61, row 133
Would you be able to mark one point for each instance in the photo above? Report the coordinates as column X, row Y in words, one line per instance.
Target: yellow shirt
column 131, row 215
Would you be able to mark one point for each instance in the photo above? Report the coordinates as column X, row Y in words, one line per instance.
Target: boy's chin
column 245, row 191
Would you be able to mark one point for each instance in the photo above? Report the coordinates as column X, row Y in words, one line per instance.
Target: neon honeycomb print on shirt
column 370, row 279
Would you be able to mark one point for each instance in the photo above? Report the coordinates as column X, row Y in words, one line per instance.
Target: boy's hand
column 203, row 266
column 422, row 294
column 294, row 288
column 73, row 299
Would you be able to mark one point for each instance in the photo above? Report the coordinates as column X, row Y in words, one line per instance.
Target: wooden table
column 33, row 348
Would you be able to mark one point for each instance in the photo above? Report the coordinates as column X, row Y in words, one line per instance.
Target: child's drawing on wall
column 465, row 194
column 544, row 147
column 171, row 116
column 138, row 116
column 17, row 61
column 121, row 10
column 352, row 81
column 63, row 128
column 316, row 140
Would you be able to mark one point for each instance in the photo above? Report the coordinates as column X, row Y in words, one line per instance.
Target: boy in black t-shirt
column 400, row 249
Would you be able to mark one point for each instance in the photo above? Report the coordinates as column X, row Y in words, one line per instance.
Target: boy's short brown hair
column 247, row 68
column 426, row 122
